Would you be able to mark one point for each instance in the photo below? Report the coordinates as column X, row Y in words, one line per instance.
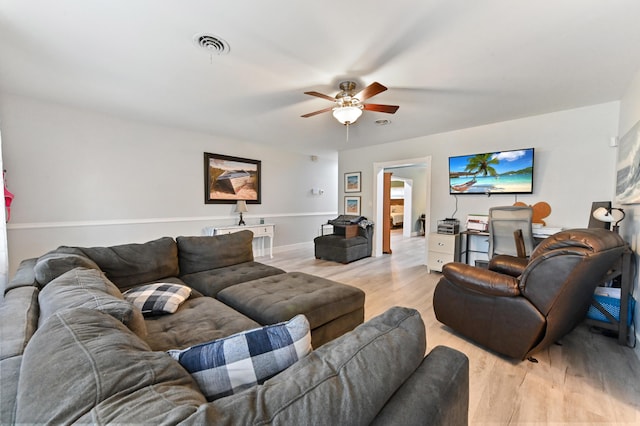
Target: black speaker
column 595, row 223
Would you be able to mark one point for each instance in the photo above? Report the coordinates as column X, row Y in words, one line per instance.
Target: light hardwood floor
column 590, row 379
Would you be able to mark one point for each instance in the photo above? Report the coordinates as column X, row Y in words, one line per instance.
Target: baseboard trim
column 297, row 246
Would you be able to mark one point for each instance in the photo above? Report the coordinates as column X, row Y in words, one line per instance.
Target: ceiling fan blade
column 320, row 95
column 370, row 91
column 311, row 114
column 389, row 109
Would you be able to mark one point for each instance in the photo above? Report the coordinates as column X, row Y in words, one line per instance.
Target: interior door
column 386, row 213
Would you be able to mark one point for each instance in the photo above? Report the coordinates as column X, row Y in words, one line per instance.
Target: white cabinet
column 260, row 232
column 443, row 248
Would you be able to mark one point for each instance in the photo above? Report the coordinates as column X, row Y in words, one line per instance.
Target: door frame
column 378, row 176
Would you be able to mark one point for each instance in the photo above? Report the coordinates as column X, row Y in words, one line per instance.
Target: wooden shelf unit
column 622, row 269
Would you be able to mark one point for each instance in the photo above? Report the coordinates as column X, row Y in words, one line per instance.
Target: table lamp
column 241, row 207
column 610, row 214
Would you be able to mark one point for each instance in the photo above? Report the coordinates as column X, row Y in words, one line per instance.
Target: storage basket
column 611, row 305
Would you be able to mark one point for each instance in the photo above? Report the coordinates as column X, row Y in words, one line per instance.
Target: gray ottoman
column 331, row 308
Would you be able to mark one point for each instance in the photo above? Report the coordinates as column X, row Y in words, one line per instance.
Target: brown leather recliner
column 520, row 306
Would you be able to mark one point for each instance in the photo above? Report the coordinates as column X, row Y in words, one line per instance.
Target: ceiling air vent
column 211, row 44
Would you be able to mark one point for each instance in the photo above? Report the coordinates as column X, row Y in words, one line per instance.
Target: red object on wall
column 8, row 198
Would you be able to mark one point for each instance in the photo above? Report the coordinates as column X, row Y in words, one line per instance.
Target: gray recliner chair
column 520, row 306
column 337, row 248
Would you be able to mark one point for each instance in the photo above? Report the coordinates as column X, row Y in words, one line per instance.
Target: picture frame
column 627, row 180
column 352, row 182
column 352, row 205
column 228, row 179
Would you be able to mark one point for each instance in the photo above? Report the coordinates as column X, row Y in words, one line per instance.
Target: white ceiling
column 449, row 64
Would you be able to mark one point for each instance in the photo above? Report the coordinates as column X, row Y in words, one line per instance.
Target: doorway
column 378, row 196
column 403, row 197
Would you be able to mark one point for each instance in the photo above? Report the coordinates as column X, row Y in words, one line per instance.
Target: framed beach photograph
column 230, row 179
column 352, row 205
column 352, row 181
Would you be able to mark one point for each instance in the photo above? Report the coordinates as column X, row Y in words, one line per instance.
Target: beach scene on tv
column 494, row 172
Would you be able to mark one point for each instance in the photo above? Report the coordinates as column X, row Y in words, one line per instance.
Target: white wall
column 630, row 227
column 85, row 178
column 417, row 175
column 574, row 164
column 4, row 254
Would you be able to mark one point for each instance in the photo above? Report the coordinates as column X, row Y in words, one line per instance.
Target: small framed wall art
column 352, row 205
column 352, row 181
column 228, row 180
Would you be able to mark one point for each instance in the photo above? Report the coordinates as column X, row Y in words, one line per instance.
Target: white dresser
column 443, row 248
column 260, row 233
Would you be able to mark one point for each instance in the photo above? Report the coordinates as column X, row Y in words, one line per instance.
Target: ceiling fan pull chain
column 347, row 132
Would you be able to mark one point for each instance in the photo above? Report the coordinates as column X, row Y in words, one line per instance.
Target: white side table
column 443, row 248
column 262, row 231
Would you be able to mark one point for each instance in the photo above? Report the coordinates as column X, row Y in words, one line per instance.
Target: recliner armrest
column 509, row 265
column 481, row 280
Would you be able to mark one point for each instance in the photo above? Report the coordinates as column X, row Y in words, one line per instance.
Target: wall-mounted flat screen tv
column 502, row 172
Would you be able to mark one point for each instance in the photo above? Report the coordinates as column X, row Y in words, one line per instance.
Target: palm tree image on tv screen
column 503, row 172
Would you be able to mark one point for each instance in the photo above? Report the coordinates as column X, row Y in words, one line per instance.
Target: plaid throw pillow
column 159, row 298
column 226, row 366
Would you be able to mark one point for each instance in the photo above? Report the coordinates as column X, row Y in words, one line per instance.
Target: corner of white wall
column 629, row 115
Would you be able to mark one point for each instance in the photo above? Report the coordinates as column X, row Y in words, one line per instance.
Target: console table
column 262, row 231
column 467, row 236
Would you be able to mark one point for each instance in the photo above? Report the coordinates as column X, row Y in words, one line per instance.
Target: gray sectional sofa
column 75, row 351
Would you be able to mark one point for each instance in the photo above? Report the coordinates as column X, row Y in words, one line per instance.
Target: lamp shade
column 606, row 215
column 347, row 114
column 602, row 215
column 241, row 206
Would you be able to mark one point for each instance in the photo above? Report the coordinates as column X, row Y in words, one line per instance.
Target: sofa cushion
column 158, row 298
column 18, row 320
column 202, row 253
column 280, row 297
column 18, row 323
column 340, row 241
column 128, row 265
column 438, row 391
column 9, row 376
column 198, row 320
column 55, row 263
column 23, row 277
column 84, row 366
column 227, row 366
column 345, row 381
column 212, row 281
column 89, row 288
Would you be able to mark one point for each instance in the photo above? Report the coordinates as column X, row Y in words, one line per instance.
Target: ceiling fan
column 348, row 104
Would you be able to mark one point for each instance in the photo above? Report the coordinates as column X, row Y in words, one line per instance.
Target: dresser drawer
column 437, row 260
column 259, row 231
column 443, row 243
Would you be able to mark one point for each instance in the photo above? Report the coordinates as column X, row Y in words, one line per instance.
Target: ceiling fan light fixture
column 347, row 114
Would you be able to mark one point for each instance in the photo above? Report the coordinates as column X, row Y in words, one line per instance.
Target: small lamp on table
column 241, row 207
